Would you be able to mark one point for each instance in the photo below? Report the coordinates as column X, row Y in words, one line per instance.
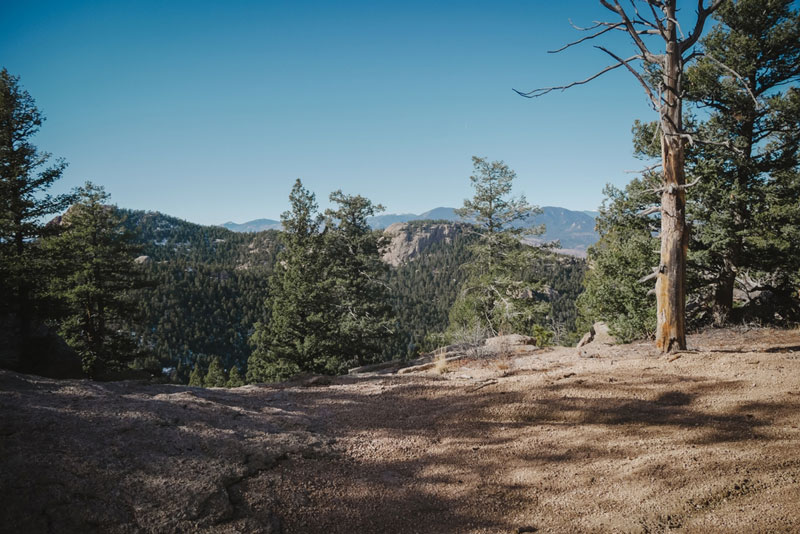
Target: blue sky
column 209, row 111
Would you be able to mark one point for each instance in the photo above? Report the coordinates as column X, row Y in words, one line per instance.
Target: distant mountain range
column 574, row 229
column 256, row 225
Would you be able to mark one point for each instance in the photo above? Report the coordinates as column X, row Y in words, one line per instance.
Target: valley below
column 600, row 438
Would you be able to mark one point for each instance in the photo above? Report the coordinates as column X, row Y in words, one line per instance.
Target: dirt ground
column 597, row 439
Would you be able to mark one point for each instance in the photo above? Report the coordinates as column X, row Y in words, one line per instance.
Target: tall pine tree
column 297, row 336
column 97, row 258
column 496, row 298
column 747, row 61
column 627, row 250
column 25, row 177
column 364, row 318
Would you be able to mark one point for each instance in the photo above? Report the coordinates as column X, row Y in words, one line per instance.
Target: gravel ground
column 597, row 439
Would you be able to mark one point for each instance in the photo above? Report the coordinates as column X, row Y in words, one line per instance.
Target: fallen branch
column 486, row 383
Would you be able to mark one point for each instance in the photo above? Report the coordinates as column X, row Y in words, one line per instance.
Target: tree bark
column 671, row 279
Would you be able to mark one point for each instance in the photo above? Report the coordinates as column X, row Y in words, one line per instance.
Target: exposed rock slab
column 408, row 241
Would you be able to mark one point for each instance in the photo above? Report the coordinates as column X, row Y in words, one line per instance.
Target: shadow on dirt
column 415, row 454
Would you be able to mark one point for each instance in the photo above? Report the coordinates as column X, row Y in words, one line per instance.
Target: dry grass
column 441, row 366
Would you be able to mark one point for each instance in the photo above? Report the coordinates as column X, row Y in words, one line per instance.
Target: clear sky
column 209, row 110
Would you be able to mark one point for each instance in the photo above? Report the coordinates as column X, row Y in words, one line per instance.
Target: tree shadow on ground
column 413, row 454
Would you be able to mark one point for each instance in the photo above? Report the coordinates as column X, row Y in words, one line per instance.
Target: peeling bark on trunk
column 671, row 279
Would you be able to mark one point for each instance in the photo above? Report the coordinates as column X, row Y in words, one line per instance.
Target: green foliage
column 496, row 296
column 759, row 40
column 742, row 208
column 98, row 273
column 298, row 334
column 364, row 319
column 196, row 377
column 215, row 377
column 328, row 308
column 235, row 378
column 209, row 290
column 424, row 289
column 626, row 252
column 25, row 177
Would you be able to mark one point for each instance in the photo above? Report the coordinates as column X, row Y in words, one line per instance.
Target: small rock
column 602, row 335
column 586, row 339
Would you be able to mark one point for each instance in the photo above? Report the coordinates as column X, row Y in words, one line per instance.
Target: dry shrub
column 441, row 366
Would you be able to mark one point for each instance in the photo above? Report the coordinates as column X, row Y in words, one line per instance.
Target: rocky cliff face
column 408, row 240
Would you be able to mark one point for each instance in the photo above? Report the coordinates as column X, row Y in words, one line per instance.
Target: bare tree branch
column 646, row 169
column 596, row 25
column 592, row 36
column 677, row 25
column 702, row 15
column 633, row 71
column 616, row 8
column 672, row 187
column 692, row 140
column 649, row 211
column 690, row 184
column 544, row 90
column 654, row 274
column 659, row 22
column 640, row 19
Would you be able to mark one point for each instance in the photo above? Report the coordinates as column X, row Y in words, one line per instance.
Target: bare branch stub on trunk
column 674, row 51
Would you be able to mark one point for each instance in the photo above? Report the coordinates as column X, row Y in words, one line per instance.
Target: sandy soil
column 598, row 439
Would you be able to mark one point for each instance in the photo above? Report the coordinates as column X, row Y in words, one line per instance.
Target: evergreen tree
column 215, row 377
column 496, row 297
column 99, row 272
column 196, row 377
column 235, row 378
column 364, row 320
column 747, row 61
column 627, row 250
column 779, row 264
column 328, row 303
column 25, row 177
column 298, row 335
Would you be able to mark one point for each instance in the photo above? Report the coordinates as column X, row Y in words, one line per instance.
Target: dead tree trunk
column 659, row 20
column 671, row 279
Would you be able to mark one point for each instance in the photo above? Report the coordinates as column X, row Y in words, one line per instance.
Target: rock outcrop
column 408, row 240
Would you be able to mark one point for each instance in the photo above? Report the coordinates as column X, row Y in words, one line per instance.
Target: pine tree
column 196, row 377
column 215, row 377
column 747, row 61
column 627, row 250
column 328, row 303
column 364, row 318
column 235, row 378
column 96, row 256
column 297, row 336
column 496, row 297
column 25, row 177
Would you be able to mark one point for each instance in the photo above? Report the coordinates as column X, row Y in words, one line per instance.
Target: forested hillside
column 209, row 286
column 207, row 290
